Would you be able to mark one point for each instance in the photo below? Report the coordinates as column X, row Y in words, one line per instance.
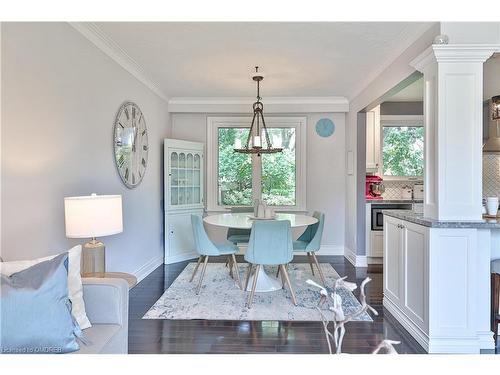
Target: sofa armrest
column 106, row 300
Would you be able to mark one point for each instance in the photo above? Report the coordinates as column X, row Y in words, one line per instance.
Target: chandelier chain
column 258, row 108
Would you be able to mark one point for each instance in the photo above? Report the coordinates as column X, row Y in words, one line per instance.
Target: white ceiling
column 298, row 59
column 411, row 93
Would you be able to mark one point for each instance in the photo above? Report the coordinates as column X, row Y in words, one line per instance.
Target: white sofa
column 106, row 303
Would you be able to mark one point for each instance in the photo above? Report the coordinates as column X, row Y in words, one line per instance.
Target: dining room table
column 244, row 220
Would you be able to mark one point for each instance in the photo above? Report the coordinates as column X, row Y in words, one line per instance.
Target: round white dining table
column 243, row 220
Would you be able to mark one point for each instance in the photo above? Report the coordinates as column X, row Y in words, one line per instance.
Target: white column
column 453, row 84
column 458, row 282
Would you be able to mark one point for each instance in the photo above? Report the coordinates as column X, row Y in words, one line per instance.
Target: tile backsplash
column 393, row 189
column 491, row 175
column 491, row 180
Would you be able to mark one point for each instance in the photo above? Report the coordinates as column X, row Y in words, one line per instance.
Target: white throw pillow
column 75, row 288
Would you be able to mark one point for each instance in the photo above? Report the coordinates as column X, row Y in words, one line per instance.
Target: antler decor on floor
column 336, row 336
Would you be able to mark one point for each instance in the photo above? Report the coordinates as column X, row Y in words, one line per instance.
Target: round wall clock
column 130, row 144
column 325, row 127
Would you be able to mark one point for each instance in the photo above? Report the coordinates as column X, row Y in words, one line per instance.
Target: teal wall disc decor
column 325, row 127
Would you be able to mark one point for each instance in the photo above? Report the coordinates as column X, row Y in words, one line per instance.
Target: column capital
column 454, row 53
column 464, row 53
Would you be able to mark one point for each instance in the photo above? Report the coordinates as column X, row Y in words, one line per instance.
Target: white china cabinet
column 183, row 196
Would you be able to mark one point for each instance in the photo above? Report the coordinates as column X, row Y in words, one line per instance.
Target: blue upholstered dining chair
column 270, row 244
column 310, row 242
column 206, row 248
column 237, row 235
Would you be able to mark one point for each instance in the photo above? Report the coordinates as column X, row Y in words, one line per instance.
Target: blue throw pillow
column 35, row 312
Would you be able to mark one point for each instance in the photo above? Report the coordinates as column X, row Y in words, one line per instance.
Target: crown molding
column 271, row 104
column 423, row 60
column 102, row 41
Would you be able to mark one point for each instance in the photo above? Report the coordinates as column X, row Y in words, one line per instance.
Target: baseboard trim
column 375, row 260
column 181, row 257
column 143, row 271
column 325, row 250
column 355, row 260
column 441, row 345
column 486, row 339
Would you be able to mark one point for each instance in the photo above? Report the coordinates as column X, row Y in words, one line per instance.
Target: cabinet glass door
column 196, row 179
column 174, row 180
column 186, row 178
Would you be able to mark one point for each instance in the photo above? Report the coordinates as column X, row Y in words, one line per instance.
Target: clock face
column 130, row 144
column 325, row 127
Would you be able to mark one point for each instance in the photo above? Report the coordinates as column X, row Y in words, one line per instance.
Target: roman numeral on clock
column 126, row 114
column 126, row 174
column 143, row 162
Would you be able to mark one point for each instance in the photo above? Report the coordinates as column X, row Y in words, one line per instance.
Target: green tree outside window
column 403, row 151
column 235, row 169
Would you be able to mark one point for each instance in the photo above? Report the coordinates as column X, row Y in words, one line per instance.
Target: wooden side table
column 130, row 279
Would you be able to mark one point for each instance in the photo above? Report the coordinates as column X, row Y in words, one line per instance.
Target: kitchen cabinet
column 436, row 282
column 406, row 272
column 373, row 140
column 183, row 196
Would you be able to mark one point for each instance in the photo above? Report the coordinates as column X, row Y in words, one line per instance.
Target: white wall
column 370, row 96
column 60, row 95
column 325, row 169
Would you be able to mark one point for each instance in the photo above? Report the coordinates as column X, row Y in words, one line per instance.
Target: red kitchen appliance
column 374, row 187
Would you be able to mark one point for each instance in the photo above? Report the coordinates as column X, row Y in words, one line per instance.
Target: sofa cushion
column 97, row 337
column 74, row 281
column 35, row 311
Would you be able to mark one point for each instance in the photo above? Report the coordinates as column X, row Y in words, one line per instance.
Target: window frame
column 398, row 121
column 212, row 157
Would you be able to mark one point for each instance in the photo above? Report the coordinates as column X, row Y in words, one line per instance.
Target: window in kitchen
column 402, row 149
column 235, row 179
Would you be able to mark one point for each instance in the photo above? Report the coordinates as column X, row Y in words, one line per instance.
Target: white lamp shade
column 93, row 216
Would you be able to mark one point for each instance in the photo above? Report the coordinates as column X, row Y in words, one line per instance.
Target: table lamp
column 90, row 217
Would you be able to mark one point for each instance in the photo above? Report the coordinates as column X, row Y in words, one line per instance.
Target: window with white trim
column 235, row 179
column 402, row 147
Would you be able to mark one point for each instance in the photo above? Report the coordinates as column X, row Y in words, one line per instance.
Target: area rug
column 221, row 299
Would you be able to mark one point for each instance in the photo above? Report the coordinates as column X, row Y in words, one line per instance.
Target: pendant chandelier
column 254, row 141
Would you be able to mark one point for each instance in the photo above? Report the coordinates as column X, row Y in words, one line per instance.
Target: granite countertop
column 419, row 219
column 394, row 201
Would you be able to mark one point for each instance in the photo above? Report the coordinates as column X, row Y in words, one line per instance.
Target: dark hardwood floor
column 222, row 336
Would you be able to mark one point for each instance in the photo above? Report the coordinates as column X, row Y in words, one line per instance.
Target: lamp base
column 94, row 258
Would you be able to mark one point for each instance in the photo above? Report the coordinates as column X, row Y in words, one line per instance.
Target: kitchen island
column 437, row 279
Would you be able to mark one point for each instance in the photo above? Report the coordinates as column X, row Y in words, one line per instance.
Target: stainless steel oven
column 378, row 216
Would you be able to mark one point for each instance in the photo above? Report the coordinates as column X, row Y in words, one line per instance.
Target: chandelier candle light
column 254, row 141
